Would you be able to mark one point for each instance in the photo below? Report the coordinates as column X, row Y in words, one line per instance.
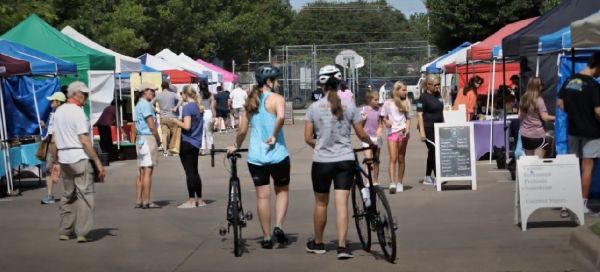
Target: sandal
column 151, row 206
column 138, row 206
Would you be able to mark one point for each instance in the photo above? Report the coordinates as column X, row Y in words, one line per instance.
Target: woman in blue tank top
column 267, row 153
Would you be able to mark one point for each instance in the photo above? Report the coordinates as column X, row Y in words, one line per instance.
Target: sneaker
column 434, row 180
column 48, row 200
column 187, row 205
column 64, row 237
column 343, row 253
column 428, row 180
column 586, row 210
column 280, row 236
column 82, row 239
column 366, row 196
column 392, row 188
column 266, row 244
column 564, row 213
column 400, row 187
column 312, row 247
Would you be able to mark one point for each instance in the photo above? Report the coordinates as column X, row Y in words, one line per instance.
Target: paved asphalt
column 458, row 230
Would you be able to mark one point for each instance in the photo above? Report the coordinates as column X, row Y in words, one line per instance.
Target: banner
column 102, row 88
column 20, row 107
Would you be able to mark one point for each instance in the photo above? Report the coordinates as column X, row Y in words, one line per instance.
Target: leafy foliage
column 456, row 21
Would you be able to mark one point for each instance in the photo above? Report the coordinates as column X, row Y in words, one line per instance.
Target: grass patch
column 596, row 229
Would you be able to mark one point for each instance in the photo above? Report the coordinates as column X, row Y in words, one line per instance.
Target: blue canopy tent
column 41, row 63
column 555, row 42
column 432, row 68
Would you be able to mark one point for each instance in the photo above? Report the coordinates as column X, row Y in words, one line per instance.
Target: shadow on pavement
column 99, row 234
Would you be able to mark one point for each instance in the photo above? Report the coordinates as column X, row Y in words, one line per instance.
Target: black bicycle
column 236, row 218
column 372, row 211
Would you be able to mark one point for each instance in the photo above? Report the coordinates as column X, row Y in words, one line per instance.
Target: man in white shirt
column 238, row 100
column 75, row 155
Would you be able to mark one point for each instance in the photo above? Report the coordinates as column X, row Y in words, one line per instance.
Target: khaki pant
column 171, row 134
column 77, row 202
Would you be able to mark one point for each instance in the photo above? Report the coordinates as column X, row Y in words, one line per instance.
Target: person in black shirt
column 579, row 97
column 430, row 109
column 223, row 105
column 316, row 95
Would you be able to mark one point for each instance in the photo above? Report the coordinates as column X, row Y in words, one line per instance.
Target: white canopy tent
column 123, row 64
column 159, row 64
column 585, row 33
column 424, row 67
column 216, row 76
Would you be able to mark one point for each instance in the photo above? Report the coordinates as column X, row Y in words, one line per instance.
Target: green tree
column 13, row 12
column 456, row 21
column 322, row 22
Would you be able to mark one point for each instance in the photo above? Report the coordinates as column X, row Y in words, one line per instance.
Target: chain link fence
column 384, row 62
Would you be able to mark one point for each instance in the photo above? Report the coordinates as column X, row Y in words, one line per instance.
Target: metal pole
column 504, row 107
column 572, row 61
column 118, row 111
column 370, row 63
column 4, row 143
column 493, row 76
column 37, row 110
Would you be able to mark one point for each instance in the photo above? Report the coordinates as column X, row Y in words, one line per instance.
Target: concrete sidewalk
column 459, row 230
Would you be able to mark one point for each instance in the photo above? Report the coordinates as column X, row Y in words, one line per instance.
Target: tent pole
column 118, row 112
column 504, row 107
column 37, row 110
column 572, row 61
column 537, row 65
column 4, row 143
column 492, row 111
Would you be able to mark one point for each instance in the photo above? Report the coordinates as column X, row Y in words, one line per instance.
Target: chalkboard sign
column 455, row 157
column 289, row 113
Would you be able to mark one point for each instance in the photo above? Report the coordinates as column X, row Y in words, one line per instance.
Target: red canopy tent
column 181, row 77
column 483, row 50
column 13, row 66
column 484, row 70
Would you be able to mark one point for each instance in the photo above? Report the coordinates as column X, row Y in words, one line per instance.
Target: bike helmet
column 266, row 72
column 327, row 72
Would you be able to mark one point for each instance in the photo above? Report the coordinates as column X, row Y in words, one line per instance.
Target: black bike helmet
column 266, row 72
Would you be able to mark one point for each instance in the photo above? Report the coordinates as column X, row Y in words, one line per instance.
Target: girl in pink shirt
column 396, row 117
column 374, row 128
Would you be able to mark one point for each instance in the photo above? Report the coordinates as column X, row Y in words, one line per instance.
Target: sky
column 407, row 7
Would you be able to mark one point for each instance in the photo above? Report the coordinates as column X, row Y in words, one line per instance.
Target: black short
column 261, row 174
column 222, row 113
column 533, row 143
column 341, row 173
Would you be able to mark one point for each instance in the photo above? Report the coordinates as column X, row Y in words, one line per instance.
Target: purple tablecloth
column 481, row 131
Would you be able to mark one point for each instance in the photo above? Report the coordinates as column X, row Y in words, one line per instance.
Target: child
column 374, row 128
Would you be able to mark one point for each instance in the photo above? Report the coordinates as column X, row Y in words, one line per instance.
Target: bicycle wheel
column 386, row 229
column 363, row 228
column 236, row 223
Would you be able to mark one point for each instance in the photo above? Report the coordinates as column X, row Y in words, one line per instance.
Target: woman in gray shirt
column 333, row 160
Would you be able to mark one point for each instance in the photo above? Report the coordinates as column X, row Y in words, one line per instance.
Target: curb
column 587, row 243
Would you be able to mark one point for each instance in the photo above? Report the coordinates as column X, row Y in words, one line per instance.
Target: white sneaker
column 434, row 180
column 366, row 196
column 187, row 205
column 428, row 180
column 400, row 187
column 392, row 188
column 586, row 210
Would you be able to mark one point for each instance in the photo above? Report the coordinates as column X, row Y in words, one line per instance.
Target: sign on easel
column 547, row 183
column 455, row 155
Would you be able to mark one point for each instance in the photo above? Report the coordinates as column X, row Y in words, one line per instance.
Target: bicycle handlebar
column 213, row 151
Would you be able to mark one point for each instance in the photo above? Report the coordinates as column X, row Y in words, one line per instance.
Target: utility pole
column 428, row 35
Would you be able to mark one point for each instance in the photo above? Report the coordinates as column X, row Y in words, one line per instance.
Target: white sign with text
column 547, row 183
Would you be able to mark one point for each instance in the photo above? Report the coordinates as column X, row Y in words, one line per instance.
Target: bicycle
column 236, row 218
column 372, row 212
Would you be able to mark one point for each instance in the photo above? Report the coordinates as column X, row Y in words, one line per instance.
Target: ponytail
column 335, row 103
column 189, row 91
column 253, row 101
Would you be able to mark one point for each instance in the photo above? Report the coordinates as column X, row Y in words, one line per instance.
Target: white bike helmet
column 329, row 71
